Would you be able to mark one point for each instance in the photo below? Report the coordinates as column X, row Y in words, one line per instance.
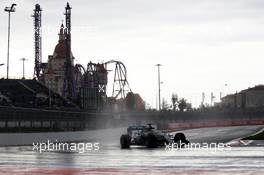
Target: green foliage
column 259, row 136
column 182, row 104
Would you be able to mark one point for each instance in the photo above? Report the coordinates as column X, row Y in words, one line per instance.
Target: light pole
column 9, row 10
column 158, row 65
column 23, row 60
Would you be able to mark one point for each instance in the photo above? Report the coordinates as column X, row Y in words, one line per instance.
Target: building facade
column 54, row 73
column 248, row 98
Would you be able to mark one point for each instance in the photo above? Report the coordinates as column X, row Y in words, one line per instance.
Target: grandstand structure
column 30, row 94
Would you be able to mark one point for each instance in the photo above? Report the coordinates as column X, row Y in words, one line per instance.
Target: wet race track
column 110, row 159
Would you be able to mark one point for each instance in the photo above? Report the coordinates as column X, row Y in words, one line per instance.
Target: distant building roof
column 228, row 96
column 256, row 88
column 60, row 50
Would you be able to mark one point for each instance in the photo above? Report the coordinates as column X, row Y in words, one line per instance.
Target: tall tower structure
column 37, row 40
column 69, row 87
column 68, row 18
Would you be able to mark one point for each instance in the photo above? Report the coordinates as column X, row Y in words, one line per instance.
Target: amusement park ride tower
column 84, row 86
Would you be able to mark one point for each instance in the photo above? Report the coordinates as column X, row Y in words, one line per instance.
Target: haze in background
column 202, row 44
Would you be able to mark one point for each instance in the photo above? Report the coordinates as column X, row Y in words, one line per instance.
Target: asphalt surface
column 220, row 134
column 110, row 159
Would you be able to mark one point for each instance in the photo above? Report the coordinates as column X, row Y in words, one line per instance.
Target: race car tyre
column 151, row 141
column 125, row 141
column 180, row 137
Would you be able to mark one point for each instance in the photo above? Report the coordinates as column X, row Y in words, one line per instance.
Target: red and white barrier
column 191, row 125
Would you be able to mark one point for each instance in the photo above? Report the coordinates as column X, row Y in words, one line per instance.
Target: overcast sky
column 202, row 44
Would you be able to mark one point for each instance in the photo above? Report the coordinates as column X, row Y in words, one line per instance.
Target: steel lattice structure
column 70, row 86
column 120, row 84
column 37, row 40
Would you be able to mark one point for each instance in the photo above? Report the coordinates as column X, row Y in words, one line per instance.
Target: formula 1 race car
column 150, row 137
